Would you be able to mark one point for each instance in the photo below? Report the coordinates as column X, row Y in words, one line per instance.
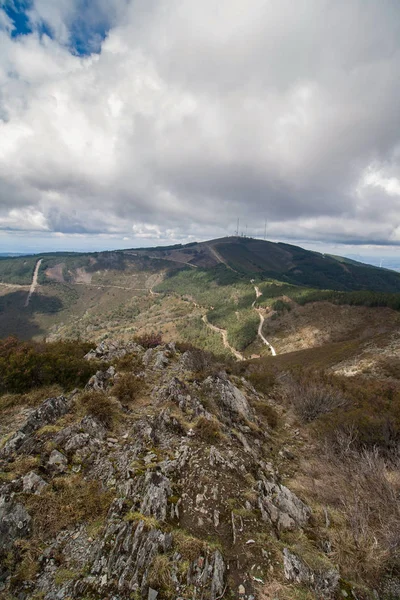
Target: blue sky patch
column 87, row 26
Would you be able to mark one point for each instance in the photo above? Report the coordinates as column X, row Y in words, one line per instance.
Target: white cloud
column 195, row 113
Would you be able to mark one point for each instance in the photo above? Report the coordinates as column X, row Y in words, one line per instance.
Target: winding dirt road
column 34, row 282
column 224, row 334
column 260, row 327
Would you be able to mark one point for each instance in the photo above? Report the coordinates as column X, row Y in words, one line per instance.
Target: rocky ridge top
column 180, row 497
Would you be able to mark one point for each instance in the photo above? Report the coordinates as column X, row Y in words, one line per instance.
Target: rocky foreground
column 175, row 492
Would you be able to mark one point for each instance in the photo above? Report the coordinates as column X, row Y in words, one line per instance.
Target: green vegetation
column 17, row 270
column 25, row 366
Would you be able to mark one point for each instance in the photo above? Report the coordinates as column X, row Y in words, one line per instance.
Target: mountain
column 233, row 296
column 172, row 474
column 215, row 420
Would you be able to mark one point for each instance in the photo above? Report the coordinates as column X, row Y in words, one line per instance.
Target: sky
column 127, row 123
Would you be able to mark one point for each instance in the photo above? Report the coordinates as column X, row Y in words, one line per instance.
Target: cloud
column 181, row 116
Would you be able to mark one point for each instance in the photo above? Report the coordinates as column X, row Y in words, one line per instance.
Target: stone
column 49, row 411
column 231, row 400
column 15, row 522
column 57, row 463
column 280, row 506
column 324, row 580
column 33, row 484
column 161, row 360
column 152, row 595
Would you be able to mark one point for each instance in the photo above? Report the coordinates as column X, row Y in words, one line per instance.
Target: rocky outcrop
column 109, row 350
column 100, row 380
column 51, row 410
column 194, row 504
column 231, row 401
column 15, row 522
column 323, row 579
column 281, row 507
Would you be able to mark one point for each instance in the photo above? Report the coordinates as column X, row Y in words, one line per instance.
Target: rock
column 218, row 576
column 152, row 595
column 107, row 351
column 15, row 522
column 155, row 500
column 161, row 361
column 33, row 484
column 49, row 411
column 57, row 463
column 323, row 579
column 101, row 380
column 230, row 399
column 280, row 506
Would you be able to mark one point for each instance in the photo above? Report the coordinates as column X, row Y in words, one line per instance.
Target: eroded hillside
column 173, row 476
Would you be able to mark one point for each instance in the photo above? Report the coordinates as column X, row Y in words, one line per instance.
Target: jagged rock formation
column 189, row 505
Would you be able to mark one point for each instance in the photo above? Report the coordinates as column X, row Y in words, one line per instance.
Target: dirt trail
column 34, row 282
column 260, row 327
column 219, row 258
column 224, row 334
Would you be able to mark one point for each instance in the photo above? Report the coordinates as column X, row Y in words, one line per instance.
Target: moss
column 64, row 576
column 135, row 517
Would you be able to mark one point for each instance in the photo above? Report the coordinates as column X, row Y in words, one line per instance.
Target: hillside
column 173, row 475
column 233, row 296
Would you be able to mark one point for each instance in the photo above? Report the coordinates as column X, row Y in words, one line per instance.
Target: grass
column 99, row 406
column 209, row 430
column 66, row 502
column 135, row 517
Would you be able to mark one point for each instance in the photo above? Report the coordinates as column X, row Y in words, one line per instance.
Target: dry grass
column 33, row 398
column 67, row 502
column 360, row 493
column 208, row 430
column 100, row 406
column 127, row 388
column 159, row 577
column 188, row 546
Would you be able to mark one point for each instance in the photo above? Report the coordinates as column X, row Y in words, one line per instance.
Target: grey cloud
column 195, row 113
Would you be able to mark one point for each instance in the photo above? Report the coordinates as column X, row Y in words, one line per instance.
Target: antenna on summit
column 265, row 230
column 237, row 228
column 380, row 264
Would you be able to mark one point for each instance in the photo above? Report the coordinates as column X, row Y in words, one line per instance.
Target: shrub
column 127, row 388
column 28, row 365
column 268, row 412
column 149, row 340
column 100, row 406
column 160, row 578
column 208, row 429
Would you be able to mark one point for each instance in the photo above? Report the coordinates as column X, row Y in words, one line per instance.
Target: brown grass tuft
column 100, row 406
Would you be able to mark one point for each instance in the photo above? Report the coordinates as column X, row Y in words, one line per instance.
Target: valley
column 234, row 297
column 144, row 372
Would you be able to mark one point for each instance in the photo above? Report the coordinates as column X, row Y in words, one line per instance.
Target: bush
column 372, row 415
column 28, row 365
column 267, row 412
column 208, row 429
column 149, row 340
column 127, row 388
column 99, row 406
column 314, row 399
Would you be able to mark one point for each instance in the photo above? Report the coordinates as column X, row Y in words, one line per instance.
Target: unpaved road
column 34, row 282
column 260, row 327
column 224, row 334
column 266, row 342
